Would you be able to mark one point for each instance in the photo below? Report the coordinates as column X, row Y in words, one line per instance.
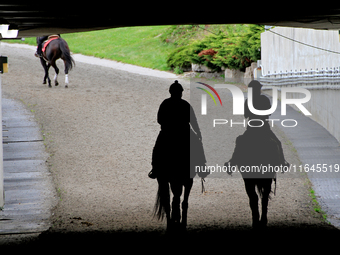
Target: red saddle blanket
column 50, row 39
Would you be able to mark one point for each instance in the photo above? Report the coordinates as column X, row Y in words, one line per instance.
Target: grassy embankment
column 133, row 45
column 147, row 46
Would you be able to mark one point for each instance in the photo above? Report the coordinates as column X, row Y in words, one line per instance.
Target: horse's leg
column 56, row 69
column 253, row 201
column 176, row 188
column 66, row 80
column 47, row 56
column 66, row 73
column 56, row 83
column 47, row 75
column 265, row 198
column 56, row 79
column 187, row 189
column 43, row 63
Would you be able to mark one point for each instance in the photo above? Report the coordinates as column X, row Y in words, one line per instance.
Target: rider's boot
column 153, row 173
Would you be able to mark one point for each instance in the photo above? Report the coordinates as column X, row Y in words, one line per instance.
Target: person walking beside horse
column 257, row 147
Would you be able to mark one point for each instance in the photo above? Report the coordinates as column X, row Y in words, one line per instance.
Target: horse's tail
column 260, row 189
column 162, row 200
column 66, row 55
column 263, row 187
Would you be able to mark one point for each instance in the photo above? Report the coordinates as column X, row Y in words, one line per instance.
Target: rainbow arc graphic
column 204, row 97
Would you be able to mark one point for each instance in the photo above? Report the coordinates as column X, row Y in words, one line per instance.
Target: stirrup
column 37, row 55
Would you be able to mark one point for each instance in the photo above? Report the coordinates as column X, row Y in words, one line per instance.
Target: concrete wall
column 234, row 75
column 280, row 54
column 2, row 193
column 323, row 106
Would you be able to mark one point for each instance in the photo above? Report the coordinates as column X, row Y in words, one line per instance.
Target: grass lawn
column 133, row 45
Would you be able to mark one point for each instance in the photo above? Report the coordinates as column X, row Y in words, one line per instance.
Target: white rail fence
column 328, row 78
column 324, row 85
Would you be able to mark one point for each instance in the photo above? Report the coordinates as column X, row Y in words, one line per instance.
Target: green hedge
column 223, row 49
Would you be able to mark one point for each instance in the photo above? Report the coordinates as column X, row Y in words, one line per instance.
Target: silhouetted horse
column 258, row 157
column 56, row 49
column 178, row 174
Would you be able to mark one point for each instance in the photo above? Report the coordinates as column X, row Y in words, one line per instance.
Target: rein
column 202, row 181
column 42, row 56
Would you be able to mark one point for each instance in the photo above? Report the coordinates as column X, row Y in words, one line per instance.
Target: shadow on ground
column 243, row 238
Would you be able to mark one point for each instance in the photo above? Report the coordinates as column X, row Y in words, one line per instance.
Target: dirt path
column 100, row 133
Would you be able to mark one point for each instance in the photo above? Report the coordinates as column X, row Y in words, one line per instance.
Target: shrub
column 179, row 58
column 209, row 52
column 225, row 49
column 243, row 48
column 197, row 56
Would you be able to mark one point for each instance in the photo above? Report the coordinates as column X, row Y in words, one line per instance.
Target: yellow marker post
column 3, row 64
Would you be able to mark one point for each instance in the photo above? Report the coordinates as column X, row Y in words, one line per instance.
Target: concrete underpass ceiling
column 43, row 18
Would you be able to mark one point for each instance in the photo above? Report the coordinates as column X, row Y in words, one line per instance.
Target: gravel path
column 100, row 133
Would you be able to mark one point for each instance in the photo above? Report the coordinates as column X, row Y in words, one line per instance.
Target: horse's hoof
column 44, row 82
column 263, row 222
column 66, row 86
column 183, row 227
column 49, row 85
column 56, row 84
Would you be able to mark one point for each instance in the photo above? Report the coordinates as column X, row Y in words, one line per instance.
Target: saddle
column 49, row 39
